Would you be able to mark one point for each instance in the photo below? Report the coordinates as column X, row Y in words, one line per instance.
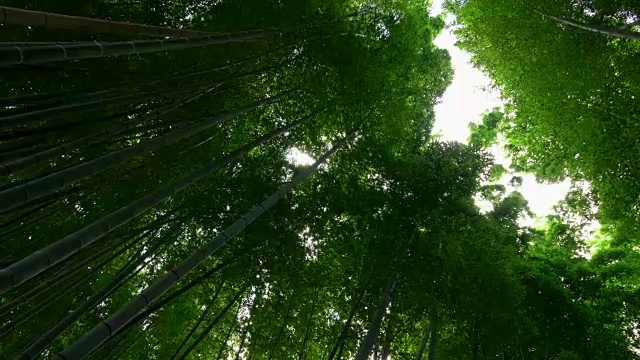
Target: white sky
column 465, row 101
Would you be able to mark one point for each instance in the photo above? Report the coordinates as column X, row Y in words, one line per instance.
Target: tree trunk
column 159, row 305
column 55, row 280
column 48, row 21
column 301, row 354
column 91, row 103
column 483, row 349
column 103, row 331
column 67, row 289
column 475, row 343
column 365, row 348
column 78, row 108
column 621, row 33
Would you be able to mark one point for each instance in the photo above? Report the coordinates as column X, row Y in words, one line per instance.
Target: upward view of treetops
column 151, row 206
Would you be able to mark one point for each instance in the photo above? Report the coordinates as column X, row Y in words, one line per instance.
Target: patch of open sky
column 466, row 99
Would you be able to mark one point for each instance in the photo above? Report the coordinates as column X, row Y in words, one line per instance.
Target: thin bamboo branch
column 621, row 33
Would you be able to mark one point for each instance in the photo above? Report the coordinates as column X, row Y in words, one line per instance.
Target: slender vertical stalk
column 65, row 290
column 346, row 327
column 70, row 244
column 26, row 162
column 386, row 348
column 49, row 53
column 423, row 346
column 303, row 348
column 215, row 321
column 273, row 350
column 247, row 327
column 46, row 185
column 41, row 343
column 232, row 326
column 434, row 334
column 169, row 299
column 202, row 317
column 96, row 336
column 365, row 348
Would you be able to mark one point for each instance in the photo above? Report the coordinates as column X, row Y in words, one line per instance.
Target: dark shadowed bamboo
column 347, row 325
column 93, row 103
column 434, row 334
column 372, row 334
column 174, row 295
column 423, row 346
column 303, row 348
column 70, row 244
column 42, row 156
column 48, row 53
column 43, row 286
column 475, row 347
column 202, row 317
column 386, row 348
column 65, row 290
column 81, row 94
column 273, row 350
column 47, row 20
column 247, row 327
column 32, row 43
column 44, row 340
column 103, row 331
column 621, row 33
column 46, row 185
column 215, row 321
column 26, row 118
column 223, row 346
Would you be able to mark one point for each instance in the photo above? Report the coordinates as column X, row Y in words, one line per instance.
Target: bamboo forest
column 263, row 179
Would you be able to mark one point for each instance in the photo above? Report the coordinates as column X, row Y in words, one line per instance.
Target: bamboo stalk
column 42, row 156
column 48, row 53
column 43, row 259
column 202, row 317
column 625, row 34
column 92, row 103
column 46, row 185
column 215, row 321
column 47, row 20
column 44, row 340
column 103, row 331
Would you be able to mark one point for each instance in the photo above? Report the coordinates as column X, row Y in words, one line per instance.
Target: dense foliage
column 119, row 170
